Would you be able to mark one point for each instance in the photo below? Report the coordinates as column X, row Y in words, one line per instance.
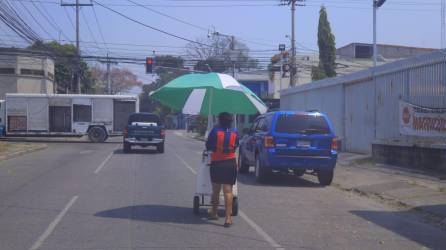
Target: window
column 144, row 118
column 262, row 126
column 302, row 124
column 363, row 51
column 81, row 113
column 32, row 72
column 7, row 71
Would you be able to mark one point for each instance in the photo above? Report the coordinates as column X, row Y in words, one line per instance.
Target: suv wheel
column 260, row 172
column 325, row 177
column 243, row 167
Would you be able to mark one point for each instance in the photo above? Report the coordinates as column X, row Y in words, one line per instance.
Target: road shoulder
column 9, row 150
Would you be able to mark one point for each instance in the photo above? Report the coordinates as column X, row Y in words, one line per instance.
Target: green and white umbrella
column 209, row 94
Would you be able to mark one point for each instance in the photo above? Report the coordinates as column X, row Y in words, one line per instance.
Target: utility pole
column 293, row 68
column 108, row 76
column 443, row 24
column 78, row 49
column 375, row 47
column 376, row 5
column 282, row 48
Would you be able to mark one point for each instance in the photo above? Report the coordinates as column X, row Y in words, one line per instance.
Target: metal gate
column 60, row 119
column 121, row 112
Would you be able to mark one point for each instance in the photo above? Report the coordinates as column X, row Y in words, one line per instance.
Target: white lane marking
column 185, row 164
column 260, row 231
column 86, row 152
column 53, row 224
column 245, row 217
column 105, row 161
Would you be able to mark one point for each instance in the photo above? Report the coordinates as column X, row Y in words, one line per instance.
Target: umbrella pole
column 210, row 118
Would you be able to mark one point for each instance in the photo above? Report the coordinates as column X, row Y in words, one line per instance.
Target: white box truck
column 98, row 116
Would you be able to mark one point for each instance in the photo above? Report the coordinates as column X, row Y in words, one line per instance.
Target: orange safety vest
column 222, row 151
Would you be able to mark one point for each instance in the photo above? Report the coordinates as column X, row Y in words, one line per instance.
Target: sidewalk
column 400, row 187
column 10, row 150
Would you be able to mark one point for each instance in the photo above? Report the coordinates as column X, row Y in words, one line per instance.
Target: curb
column 22, row 152
column 438, row 219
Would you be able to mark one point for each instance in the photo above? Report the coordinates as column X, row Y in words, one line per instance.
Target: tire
column 97, row 134
column 234, row 206
column 160, row 148
column 325, row 177
column 196, row 209
column 261, row 173
column 243, row 167
column 127, row 148
column 299, row 172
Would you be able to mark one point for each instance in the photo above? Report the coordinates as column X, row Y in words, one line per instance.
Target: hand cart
column 204, row 187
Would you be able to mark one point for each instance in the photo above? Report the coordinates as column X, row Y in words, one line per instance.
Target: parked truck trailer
column 98, row 116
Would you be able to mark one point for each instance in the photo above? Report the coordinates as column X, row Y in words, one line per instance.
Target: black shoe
column 227, row 224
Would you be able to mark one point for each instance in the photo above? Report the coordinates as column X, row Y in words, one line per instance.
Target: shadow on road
column 120, row 151
column 278, row 179
column 410, row 229
column 155, row 213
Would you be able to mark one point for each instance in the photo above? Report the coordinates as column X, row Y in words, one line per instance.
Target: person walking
column 223, row 142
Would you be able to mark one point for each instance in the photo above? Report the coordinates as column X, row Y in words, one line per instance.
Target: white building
column 25, row 71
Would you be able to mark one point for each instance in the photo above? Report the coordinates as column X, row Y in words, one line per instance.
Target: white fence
column 364, row 106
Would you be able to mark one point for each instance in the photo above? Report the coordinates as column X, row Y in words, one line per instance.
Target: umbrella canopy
column 209, row 94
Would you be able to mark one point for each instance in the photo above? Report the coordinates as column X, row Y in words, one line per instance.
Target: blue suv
column 289, row 141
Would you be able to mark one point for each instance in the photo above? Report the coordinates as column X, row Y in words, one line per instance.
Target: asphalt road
column 92, row 196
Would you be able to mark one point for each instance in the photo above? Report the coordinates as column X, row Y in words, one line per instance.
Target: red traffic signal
column 149, row 65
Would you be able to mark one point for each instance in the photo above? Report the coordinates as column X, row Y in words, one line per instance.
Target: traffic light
column 379, row 3
column 149, row 65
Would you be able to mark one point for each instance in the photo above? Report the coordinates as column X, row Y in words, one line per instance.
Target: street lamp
column 376, row 5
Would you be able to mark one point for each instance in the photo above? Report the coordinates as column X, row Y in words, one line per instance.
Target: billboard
column 420, row 121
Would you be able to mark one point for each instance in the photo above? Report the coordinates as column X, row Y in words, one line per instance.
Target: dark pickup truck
column 144, row 129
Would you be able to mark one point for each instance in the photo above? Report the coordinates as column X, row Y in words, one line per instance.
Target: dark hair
column 225, row 119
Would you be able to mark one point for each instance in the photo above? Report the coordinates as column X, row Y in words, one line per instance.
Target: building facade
column 397, row 111
column 24, row 71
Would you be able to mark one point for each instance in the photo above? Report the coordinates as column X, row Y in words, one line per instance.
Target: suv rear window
column 144, row 118
column 302, row 124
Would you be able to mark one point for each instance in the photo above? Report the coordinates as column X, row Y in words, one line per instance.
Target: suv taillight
column 126, row 132
column 334, row 144
column 269, row 142
column 163, row 133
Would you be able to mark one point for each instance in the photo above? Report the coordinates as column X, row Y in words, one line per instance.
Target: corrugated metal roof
column 412, row 62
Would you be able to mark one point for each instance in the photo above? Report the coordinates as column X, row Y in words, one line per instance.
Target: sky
column 261, row 24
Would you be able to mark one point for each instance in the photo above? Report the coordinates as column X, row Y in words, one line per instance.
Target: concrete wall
column 19, row 83
column 348, row 51
column 364, row 106
column 8, row 84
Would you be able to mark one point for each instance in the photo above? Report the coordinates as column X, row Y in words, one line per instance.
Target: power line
column 90, row 31
column 35, row 20
column 99, row 27
column 151, row 27
column 52, row 23
column 171, row 17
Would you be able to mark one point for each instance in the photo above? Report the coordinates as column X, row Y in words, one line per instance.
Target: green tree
column 66, row 65
column 327, row 48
